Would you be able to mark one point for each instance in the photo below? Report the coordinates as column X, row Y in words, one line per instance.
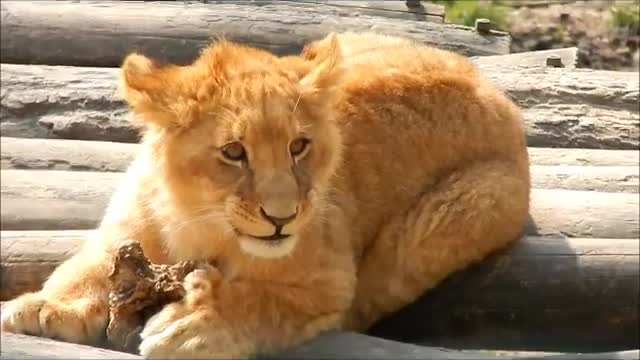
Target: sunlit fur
column 417, row 168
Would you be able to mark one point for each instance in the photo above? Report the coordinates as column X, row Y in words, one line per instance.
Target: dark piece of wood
column 577, row 108
column 139, row 289
column 80, row 155
column 548, row 293
column 335, row 345
column 61, row 200
column 103, row 32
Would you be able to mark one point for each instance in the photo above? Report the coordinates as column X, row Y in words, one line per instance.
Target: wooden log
column 577, row 108
column 103, row 32
column 78, row 155
column 505, row 302
column 614, row 179
column 28, row 257
column 96, row 156
column 529, row 59
column 547, row 294
column 57, row 200
column 422, row 11
column 583, row 157
column 57, row 154
column 334, row 345
column 15, row 346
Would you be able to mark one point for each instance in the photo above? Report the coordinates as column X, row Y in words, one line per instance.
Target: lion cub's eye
column 233, row 151
column 299, row 146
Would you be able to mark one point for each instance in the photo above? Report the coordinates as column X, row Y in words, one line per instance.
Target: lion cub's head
column 243, row 140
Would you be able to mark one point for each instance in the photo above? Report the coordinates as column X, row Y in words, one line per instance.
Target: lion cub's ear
column 156, row 93
column 327, row 72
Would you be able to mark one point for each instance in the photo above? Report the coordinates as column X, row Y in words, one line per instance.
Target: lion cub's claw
column 32, row 314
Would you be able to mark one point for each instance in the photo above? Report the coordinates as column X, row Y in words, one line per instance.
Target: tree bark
column 79, row 155
column 587, row 288
column 104, row 32
column 569, row 108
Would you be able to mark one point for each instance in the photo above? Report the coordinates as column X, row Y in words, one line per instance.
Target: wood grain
column 104, row 31
column 562, row 108
column 81, row 155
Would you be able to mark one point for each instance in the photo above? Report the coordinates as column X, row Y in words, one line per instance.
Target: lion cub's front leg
column 225, row 319
column 72, row 305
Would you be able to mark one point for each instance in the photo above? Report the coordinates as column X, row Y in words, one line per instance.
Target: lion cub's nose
column 277, row 221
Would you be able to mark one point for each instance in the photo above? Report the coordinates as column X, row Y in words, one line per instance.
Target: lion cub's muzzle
column 278, row 222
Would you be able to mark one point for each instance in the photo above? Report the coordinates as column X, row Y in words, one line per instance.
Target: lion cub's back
column 411, row 114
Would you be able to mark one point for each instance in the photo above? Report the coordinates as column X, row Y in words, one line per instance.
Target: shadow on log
column 577, row 108
column 337, row 345
column 103, row 32
column 545, row 293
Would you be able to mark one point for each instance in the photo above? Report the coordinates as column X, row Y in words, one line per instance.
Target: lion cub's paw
column 80, row 321
column 192, row 328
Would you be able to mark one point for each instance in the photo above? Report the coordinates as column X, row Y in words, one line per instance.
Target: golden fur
column 416, row 168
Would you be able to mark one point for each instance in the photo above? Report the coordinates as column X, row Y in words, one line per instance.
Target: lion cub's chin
column 268, row 249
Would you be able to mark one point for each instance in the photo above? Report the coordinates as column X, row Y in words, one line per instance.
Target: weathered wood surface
column 80, row 155
column 577, row 108
column 583, row 157
column 73, row 155
column 14, row 346
column 104, row 31
column 28, row 257
column 614, row 179
column 97, row 156
column 59, row 200
column 334, row 345
column 423, row 11
column 529, row 59
column 507, row 301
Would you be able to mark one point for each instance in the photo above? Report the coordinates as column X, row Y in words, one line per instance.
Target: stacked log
column 572, row 279
column 600, row 112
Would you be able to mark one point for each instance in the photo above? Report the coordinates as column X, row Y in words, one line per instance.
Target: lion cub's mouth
column 274, row 237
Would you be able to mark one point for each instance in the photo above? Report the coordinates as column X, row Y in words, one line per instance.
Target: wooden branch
column 57, row 200
column 334, row 345
column 79, row 155
column 103, row 32
column 586, row 288
column 576, row 108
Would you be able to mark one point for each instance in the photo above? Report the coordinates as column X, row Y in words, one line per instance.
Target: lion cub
column 332, row 189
